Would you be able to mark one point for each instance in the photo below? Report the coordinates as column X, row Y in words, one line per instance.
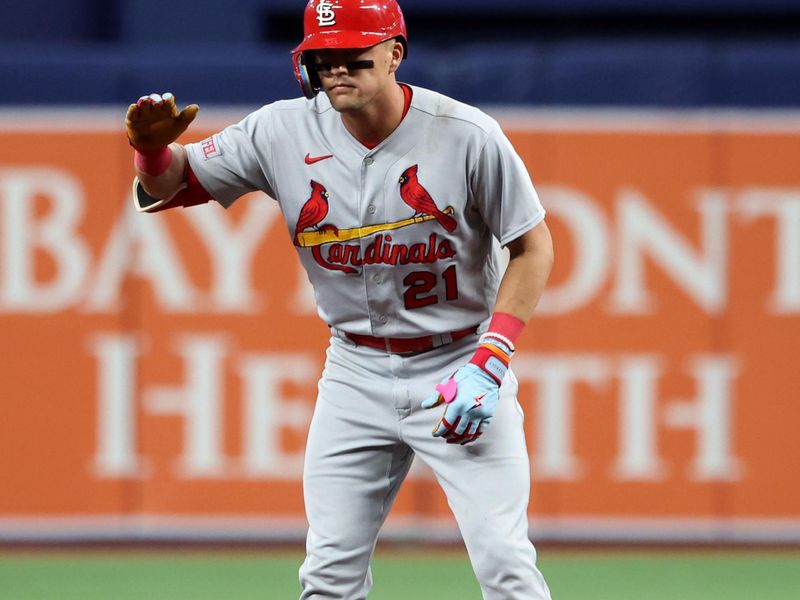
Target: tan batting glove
column 154, row 121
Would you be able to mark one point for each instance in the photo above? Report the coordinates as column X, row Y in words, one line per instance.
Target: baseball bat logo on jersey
column 325, row 14
column 340, row 256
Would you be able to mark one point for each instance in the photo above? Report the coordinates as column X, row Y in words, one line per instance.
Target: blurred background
column 671, row 53
column 158, row 372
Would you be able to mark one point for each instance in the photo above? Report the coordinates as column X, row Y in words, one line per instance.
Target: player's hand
column 155, row 122
column 470, row 397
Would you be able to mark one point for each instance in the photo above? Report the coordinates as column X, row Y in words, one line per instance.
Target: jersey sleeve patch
column 211, row 148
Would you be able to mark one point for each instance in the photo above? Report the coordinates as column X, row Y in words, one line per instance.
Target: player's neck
column 376, row 121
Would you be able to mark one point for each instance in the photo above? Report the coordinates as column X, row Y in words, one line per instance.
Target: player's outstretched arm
column 153, row 125
column 470, row 395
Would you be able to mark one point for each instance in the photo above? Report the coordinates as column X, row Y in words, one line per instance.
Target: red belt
column 410, row 345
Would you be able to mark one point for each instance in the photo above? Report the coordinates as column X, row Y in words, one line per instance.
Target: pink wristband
column 506, row 325
column 153, row 162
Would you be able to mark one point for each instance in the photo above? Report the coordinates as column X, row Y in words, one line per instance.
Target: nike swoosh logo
column 310, row 160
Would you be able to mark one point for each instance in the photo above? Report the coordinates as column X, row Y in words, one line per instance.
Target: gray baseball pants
column 366, row 430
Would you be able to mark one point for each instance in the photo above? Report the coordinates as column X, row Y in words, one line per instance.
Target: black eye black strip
column 351, row 66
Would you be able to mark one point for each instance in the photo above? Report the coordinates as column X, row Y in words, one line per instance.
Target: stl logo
column 325, row 15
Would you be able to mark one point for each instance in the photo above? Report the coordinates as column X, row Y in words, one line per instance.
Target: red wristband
column 153, row 162
column 506, row 325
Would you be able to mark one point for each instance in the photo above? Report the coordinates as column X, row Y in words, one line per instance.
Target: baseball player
column 398, row 200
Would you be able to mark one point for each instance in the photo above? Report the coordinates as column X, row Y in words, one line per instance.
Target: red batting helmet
column 345, row 24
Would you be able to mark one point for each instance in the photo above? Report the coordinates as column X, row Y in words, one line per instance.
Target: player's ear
column 397, row 54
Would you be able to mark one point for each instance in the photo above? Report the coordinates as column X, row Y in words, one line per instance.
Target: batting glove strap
column 492, row 357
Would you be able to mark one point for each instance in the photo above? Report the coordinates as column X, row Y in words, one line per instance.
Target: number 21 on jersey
column 420, row 291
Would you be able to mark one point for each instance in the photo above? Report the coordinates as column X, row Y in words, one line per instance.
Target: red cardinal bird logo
column 314, row 210
column 418, row 198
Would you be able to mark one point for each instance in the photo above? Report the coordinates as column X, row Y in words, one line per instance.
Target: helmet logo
column 325, row 15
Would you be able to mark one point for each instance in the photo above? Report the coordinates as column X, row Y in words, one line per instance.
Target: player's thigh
column 354, row 461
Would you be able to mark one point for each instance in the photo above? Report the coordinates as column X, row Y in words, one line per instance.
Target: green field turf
column 243, row 575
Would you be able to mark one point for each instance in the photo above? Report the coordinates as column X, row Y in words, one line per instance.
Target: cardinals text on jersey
column 340, row 256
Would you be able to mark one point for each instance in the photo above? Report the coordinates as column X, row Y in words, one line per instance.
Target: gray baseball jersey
column 394, row 239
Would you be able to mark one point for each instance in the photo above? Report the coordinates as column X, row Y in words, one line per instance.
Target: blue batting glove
column 470, row 397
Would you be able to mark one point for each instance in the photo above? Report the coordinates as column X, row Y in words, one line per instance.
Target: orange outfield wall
column 165, row 366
